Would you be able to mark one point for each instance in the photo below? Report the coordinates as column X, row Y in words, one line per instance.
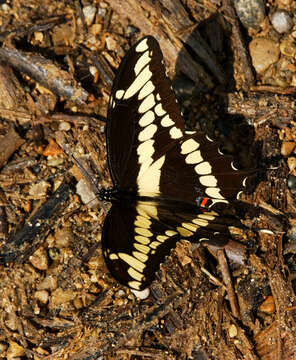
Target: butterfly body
column 167, row 182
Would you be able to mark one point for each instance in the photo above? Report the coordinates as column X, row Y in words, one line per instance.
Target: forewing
column 144, row 120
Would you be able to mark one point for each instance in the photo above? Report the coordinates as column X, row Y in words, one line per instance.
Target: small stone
column 264, row 52
column 60, row 297
column 288, row 48
column 89, row 13
column 63, row 237
column 52, row 149
column 96, row 29
column 38, row 35
column 111, row 43
column 14, row 350
column 42, row 296
column 77, row 302
column 54, row 161
column 291, row 163
column 3, row 348
column 63, row 35
column 54, row 253
column 64, row 126
column 39, row 190
column 251, row 13
column 39, row 259
column 281, row 21
column 291, row 181
column 86, row 195
column 11, row 322
column 49, row 283
column 93, row 70
column 143, row 294
column 232, row 331
column 287, row 147
column 268, row 305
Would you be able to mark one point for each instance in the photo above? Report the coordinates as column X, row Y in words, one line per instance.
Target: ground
column 57, row 298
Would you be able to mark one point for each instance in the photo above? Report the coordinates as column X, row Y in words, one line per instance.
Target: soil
column 57, row 297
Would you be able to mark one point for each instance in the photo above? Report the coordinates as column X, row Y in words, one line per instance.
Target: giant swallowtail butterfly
column 167, row 181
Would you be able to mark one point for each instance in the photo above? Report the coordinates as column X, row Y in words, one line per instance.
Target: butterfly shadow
column 210, row 103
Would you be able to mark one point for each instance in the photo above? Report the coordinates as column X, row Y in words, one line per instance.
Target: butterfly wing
column 130, row 246
column 144, row 119
column 148, row 151
column 137, row 237
column 150, row 154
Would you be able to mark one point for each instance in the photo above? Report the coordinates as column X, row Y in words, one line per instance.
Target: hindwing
column 137, row 237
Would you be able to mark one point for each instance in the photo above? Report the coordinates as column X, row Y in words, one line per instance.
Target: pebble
column 42, row 296
column 93, row 70
column 11, row 322
column 54, row 161
column 288, row 48
column 89, row 13
column 264, row 52
column 291, row 163
column 281, row 21
column 111, row 43
column 287, row 147
column 49, row 283
column 3, row 347
column 142, row 295
column 96, row 29
column 39, row 190
column 39, row 259
column 63, row 237
column 251, row 13
column 86, row 195
column 232, row 331
column 268, row 305
column 54, row 253
column 64, row 126
column 60, row 297
column 14, row 350
column 52, row 149
column 291, row 181
column 77, row 302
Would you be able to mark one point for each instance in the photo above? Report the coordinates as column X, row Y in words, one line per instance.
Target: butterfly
column 167, row 182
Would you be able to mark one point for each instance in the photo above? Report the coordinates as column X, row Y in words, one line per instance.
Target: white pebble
column 281, row 21
column 143, row 294
column 89, row 13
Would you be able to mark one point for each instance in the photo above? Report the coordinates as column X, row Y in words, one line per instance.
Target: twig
column 239, row 44
column 227, row 280
column 45, row 73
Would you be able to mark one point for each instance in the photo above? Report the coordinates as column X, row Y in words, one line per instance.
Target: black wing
column 144, row 119
column 137, row 237
column 150, row 154
column 148, row 151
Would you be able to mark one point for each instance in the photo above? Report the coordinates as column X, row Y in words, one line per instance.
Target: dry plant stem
column 45, row 73
column 24, row 242
column 8, row 145
column 239, row 45
column 106, row 73
column 289, row 90
column 227, row 280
